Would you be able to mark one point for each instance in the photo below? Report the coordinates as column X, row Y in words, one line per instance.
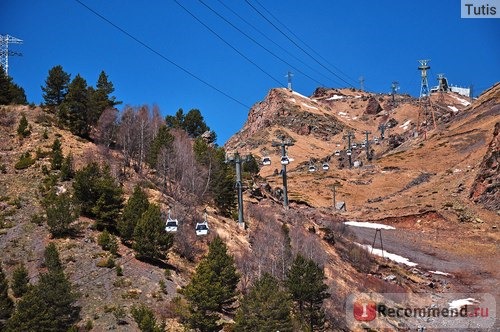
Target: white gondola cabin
column 285, row 160
column 348, row 152
column 172, row 225
column 326, row 167
column 337, row 153
column 312, row 168
column 201, row 228
column 266, row 161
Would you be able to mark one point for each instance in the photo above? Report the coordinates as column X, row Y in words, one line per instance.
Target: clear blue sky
column 379, row 40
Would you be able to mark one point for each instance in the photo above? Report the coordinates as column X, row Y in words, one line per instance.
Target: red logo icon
column 365, row 311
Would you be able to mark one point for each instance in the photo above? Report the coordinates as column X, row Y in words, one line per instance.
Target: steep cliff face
column 486, row 187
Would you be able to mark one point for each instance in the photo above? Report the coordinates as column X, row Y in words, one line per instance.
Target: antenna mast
column 5, row 40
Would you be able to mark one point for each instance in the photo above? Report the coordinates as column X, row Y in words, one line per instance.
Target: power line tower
column 424, row 99
column 289, row 76
column 367, row 144
column 5, row 40
column 284, row 161
column 362, row 83
column 394, row 91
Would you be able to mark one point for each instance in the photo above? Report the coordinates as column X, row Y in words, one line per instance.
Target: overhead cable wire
column 297, row 45
column 304, row 43
column 150, row 48
column 259, row 44
column 227, row 43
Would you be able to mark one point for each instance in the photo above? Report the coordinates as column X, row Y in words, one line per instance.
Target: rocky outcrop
column 486, row 187
column 373, row 106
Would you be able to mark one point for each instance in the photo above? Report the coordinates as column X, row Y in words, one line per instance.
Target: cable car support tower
column 424, row 100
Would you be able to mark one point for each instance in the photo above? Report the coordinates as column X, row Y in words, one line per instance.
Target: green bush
column 108, row 242
column 25, row 161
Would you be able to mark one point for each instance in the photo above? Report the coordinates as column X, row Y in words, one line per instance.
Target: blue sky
column 344, row 40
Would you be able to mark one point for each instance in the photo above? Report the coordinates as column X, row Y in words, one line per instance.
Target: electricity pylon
column 5, row 40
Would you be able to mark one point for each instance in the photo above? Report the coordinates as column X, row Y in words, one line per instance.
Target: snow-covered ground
column 453, row 108
column 457, row 304
column 335, row 97
column 440, row 273
column 405, row 125
column 385, row 254
column 309, row 106
column 368, row 225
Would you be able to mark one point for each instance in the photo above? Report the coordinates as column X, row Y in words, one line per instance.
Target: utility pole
column 335, row 185
column 5, row 40
column 284, row 156
column 349, row 135
column 239, row 186
column 367, row 143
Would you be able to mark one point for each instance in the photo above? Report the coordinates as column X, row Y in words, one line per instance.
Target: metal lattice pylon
column 424, row 99
column 5, row 40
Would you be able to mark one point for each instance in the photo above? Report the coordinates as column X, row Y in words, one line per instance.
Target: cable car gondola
column 326, row 167
column 312, row 168
column 266, row 161
column 201, row 228
column 285, row 160
column 348, row 152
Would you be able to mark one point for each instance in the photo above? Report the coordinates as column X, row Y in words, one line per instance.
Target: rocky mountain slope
column 439, row 188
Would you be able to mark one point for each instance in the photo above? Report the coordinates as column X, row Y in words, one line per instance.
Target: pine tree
column 67, row 171
column 52, row 260
column 305, row 284
column 163, row 139
column 222, row 185
column 76, row 107
column 151, row 240
column 6, row 303
column 145, row 319
column 212, row 290
column 23, row 128
column 265, row 308
column 99, row 195
column 20, row 281
column 56, row 86
column 50, row 304
column 57, row 155
column 10, row 93
column 61, row 212
column 136, row 205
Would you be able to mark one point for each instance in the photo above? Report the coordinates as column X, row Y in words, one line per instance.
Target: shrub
column 108, row 242
column 25, row 161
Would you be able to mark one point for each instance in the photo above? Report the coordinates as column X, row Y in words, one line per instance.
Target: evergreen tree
column 151, row 240
column 175, row 121
column 194, row 124
column 61, row 212
column 6, row 303
column 99, row 195
column 56, row 86
column 212, row 290
column 145, row 319
column 67, row 172
column 10, row 93
column 49, row 305
column 57, row 155
column 222, row 184
column 52, row 260
column 136, row 205
column 163, row 139
column 305, row 284
column 76, row 107
column 20, row 281
column 23, row 128
column 251, row 165
column 265, row 308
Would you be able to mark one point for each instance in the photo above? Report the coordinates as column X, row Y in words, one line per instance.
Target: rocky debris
column 373, row 106
column 391, row 123
column 485, row 188
column 208, row 136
